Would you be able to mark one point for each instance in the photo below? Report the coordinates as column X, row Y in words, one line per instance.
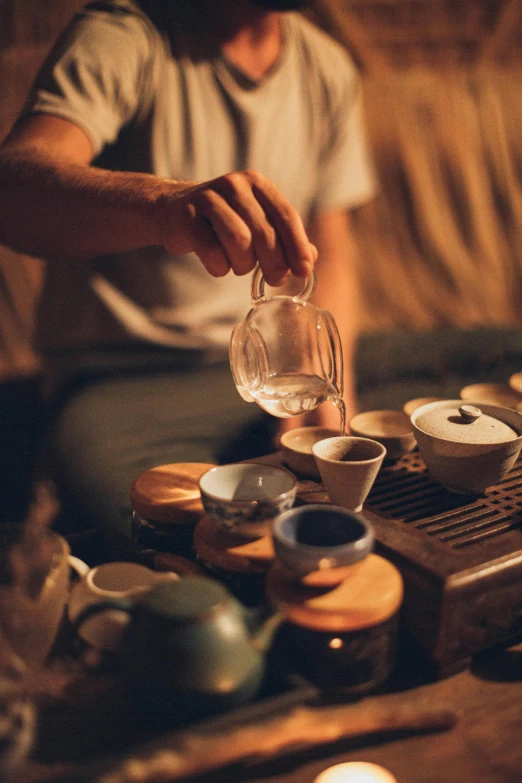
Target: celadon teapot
column 190, row 650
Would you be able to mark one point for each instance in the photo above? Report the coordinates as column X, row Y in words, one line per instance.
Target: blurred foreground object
column 17, row 713
column 31, row 556
column 192, row 752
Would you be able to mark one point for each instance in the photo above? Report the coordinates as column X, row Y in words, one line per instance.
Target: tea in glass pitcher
column 287, row 354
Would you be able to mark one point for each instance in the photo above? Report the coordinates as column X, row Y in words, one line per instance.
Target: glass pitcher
column 286, row 355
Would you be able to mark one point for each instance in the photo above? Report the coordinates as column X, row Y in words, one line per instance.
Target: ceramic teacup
column 110, row 582
column 391, row 428
column 493, row 394
column 348, row 468
column 245, row 497
column 320, row 544
column 296, row 448
column 468, row 447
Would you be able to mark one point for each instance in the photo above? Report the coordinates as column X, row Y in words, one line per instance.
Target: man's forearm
column 56, row 208
column 53, row 208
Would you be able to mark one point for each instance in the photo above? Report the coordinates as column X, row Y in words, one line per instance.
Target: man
column 121, row 168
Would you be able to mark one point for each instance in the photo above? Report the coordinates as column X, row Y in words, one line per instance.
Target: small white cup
column 348, row 468
column 106, row 582
column 245, row 497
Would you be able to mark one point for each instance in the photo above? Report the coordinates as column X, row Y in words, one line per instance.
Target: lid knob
column 469, row 413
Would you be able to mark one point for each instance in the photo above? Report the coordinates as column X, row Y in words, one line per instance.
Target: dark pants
column 110, row 430
column 397, row 366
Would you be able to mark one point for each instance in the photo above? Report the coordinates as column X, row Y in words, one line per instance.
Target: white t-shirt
column 146, row 109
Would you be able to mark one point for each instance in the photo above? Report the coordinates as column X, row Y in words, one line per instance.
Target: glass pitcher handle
column 335, row 370
column 248, row 360
column 258, row 287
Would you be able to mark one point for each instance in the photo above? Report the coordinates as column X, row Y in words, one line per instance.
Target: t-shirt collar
column 248, row 82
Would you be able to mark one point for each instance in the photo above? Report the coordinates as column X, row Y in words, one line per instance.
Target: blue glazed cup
column 321, row 544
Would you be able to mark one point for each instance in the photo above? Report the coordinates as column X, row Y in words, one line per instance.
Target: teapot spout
column 263, row 625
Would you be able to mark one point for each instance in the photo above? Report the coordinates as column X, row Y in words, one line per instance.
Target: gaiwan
column 467, row 447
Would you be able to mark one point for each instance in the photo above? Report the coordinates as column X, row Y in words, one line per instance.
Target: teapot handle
column 122, row 605
column 258, row 287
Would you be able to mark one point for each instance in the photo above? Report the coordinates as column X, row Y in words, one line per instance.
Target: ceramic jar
column 241, row 563
column 166, row 504
column 340, row 601
column 343, row 637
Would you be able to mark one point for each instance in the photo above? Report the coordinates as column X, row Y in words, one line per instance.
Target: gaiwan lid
column 463, row 423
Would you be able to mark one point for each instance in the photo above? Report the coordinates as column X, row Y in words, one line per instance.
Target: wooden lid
column 371, row 595
column 229, row 551
column 170, row 493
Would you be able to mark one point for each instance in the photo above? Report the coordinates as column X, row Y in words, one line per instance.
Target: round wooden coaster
column 371, row 595
column 231, row 552
column 170, row 493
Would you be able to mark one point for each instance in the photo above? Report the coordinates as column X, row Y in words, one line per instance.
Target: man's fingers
column 300, row 254
column 240, row 219
column 232, row 232
column 210, row 251
column 266, row 246
column 277, row 246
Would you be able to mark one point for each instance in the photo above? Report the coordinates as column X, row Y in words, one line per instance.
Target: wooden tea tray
column 460, row 558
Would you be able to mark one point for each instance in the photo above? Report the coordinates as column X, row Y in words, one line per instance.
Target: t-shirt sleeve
column 347, row 176
column 96, row 75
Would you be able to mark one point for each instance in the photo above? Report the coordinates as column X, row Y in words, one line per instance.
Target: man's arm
column 53, row 203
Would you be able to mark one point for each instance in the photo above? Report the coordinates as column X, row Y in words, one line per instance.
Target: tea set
column 191, row 647
column 330, row 605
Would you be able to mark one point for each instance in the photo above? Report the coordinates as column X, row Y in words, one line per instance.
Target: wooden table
column 84, row 719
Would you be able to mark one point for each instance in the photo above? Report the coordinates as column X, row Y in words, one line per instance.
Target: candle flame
column 355, row 772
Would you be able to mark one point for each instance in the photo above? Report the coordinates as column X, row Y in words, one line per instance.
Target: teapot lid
column 193, row 597
column 463, row 423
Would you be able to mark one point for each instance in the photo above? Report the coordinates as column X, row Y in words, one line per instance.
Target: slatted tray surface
column 460, row 557
column 405, row 492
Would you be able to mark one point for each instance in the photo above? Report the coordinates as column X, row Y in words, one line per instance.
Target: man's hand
column 235, row 221
column 77, row 211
